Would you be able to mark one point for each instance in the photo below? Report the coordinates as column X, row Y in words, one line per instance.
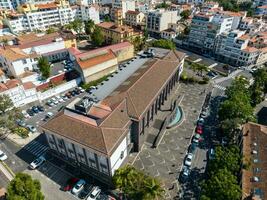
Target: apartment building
column 261, row 10
column 236, row 51
column 8, row 4
column 135, row 18
column 159, row 20
column 86, row 12
column 40, row 16
column 124, row 5
column 257, row 3
column 98, row 134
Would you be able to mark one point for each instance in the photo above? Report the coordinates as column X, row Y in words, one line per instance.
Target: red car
column 199, row 130
column 70, row 184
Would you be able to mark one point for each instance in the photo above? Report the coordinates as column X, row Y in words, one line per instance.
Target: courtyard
column 166, row 161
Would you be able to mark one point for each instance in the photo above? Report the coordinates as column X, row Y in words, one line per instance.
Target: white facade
column 159, row 20
column 87, row 12
column 125, row 5
column 40, row 20
column 8, row 4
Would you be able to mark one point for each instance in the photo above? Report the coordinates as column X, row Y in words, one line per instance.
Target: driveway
column 166, row 160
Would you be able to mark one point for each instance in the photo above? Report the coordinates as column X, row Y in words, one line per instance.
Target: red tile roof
column 28, row 85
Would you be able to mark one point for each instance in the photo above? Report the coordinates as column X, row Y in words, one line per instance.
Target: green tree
column 165, row 44
column 146, row 34
column 97, row 37
column 23, row 187
column 77, row 25
column 137, row 185
column 221, row 186
column 226, row 158
column 107, row 18
column 230, row 128
column 89, row 26
column 51, row 30
column 44, row 67
column 185, row 14
column 5, row 103
column 240, row 85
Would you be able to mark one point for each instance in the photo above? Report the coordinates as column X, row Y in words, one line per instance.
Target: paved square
column 166, row 160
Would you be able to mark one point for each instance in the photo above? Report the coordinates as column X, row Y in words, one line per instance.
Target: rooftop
column 113, row 27
column 89, row 59
column 254, row 179
column 13, row 54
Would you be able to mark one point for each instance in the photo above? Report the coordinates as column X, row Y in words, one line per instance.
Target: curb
column 7, row 171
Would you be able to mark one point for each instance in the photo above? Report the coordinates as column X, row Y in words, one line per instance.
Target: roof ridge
column 104, row 140
column 130, row 98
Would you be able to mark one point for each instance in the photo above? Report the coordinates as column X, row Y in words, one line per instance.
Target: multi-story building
column 159, row 20
column 98, row 134
column 19, row 93
column 261, row 10
column 259, row 3
column 40, row 16
column 135, row 18
column 8, row 4
column 114, row 33
column 85, row 13
column 124, row 5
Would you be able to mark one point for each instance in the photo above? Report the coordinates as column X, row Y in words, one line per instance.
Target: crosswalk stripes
column 36, row 148
column 219, row 87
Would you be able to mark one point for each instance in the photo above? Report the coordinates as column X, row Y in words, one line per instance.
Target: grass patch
column 22, row 132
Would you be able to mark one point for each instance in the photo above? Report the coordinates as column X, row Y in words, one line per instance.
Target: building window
column 122, row 155
column 24, row 61
column 92, row 163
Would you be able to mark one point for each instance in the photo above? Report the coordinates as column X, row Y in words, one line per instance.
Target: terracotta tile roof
column 264, row 50
column 3, row 87
column 244, row 37
column 13, row 54
column 9, row 84
column 251, row 49
column 131, row 12
column 139, row 91
column 113, row 27
column 1, row 72
column 254, row 139
column 233, row 14
column 263, row 7
column 47, row 5
column 103, row 138
column 88, row 59
column 28, row 85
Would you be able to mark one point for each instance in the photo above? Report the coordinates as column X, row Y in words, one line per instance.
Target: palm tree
column 152, row 189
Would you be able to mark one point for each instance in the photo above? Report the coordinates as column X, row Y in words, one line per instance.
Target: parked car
column 81, row 89
column 199, row 129
column 54, row 100
column 50, row 103
column 35, row 109
column 188, row 159
column 73, row 93
column 30, row 112
column 68, row 94
column 70, row 184
column 25, row 114
column 31, row 128
column 196, row 138
column 78, row 187
column 40, row 108
column 48, row 116
column 94, row 193
column 200, row 121
column 3, row 156
column 85, row 192
column 37, row 162
column 211, row 153
column 184, row 175
column 21, row 123
column 203, row 114
column 192, row 148
column 64, row 97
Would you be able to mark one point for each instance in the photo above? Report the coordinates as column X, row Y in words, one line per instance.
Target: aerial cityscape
column 133, row 99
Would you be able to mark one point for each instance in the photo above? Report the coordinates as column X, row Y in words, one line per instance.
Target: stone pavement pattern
column 166, row 160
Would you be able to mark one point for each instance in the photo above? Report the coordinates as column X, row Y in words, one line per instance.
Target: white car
column 188, row 159
column 94, row 193
column 196, row 138
column 37, row 162
column 25, row 114
column 78, row 186
column 3, row 156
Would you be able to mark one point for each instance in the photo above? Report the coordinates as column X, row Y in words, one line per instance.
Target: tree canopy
column 97, row 37
column 5, row 103
column 89, row 26
column 165, row 44
column 23, row 187
column 221, row 186
column 137, row 185
column 185, row 14
column 44, row 67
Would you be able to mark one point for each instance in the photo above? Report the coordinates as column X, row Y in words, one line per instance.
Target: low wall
column 58, row 89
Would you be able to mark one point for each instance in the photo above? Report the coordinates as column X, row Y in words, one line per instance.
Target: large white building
column 85, row 12
column 124, row 5
column 159, row 20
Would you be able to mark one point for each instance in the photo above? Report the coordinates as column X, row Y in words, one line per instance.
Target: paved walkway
column 166, row 160
column 3, row 169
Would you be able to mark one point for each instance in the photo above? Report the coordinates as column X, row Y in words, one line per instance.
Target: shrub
column 22, row 132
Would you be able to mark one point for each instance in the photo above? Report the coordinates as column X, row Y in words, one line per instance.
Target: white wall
column 58, row 89
column 18, row 67
column 42, row 49
column 115, row 159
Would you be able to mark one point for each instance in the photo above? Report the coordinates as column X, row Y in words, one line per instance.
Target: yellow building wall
column 70, row 43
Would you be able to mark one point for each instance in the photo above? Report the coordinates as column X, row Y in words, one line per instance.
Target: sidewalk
column 22, row 141
column 5, row 171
